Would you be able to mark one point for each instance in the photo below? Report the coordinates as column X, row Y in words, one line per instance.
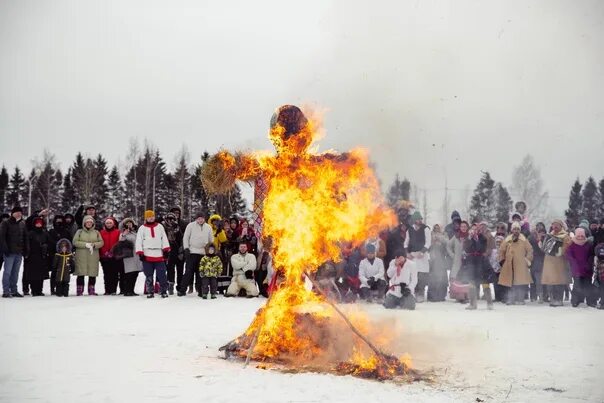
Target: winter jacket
column 87, row 264
column 242, row 263
column 152, row 242
column 210, row 266
column 406, row 274
column 581, row 259
column 110, row 238
column 131, row 264
column 368, row 269
column 13, row 237
column 455, row 251
column 517, row 257
column 555, row 268
column 35, row 265
column 197, row 237
column 219, row 234
column 63, row 263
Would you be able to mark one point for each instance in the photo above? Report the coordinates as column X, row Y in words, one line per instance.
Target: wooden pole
column 354, row 329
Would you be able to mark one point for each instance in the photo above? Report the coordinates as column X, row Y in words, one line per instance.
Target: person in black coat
column 14, row 244
column 474, row 267
column 36, row 261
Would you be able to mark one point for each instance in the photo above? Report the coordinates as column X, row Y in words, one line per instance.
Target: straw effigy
column 220, row 172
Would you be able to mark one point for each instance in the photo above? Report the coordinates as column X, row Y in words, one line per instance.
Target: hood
column 87, row 218
column 56, row 218
column 213, row 219
column 455, row 215
column 61, row 242
column 115, row 223
column 127, row 220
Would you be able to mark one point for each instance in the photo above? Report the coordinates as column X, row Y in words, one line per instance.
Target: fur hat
column 16, row 209
column 148, row 214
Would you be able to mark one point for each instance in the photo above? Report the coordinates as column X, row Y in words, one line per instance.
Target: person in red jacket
column 111, row 266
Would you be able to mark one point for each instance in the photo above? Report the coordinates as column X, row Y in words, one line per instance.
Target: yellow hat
column 149, row 214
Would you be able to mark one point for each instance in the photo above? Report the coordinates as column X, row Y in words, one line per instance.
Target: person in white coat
column 198, row 235
column 371, row 275
column 152, row 247
column 243, row 264
column 417, row 243
column 403, row 279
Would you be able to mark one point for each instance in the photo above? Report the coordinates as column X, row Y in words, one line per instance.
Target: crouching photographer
column 403, row 278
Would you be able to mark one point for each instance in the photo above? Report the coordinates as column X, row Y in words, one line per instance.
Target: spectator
column 58, row 232
column 210, row 268
column 87, row 242
column 536, row 240
column 525, row 228
column 472, row 266
column 243, row 264
column 580, row 254
column 516, row 254
column 599, row 252
column 347, row 276
column 63, row 266
column 176, row 259
column 417, row 243
column 453, row 227
column 14, row 244
column 438, row 281
column 87, row 210
column 3, row 217
column 372, row 275
column 231, row 247
column 264, row 261
column 248, row 236
column 153, row 249
column 132, row 264
column 555, row 271
column 198, row 235
column 379, row 247
column 111, row 266
column 395, row 242
column 403, row 279
column 35, row 268
column 218, row 232
column 70, row 225
column 455, row 249
column 599, row 235
column 501, row 230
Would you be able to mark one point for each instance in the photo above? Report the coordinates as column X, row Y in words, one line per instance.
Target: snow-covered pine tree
column 115, row 193
column 591, row 199
column 16, row 189
column 199, row 197
column 575, row 205
column 4, row 181
column 503, row 203
column 482, row 203
column 399, row 190
column 68, row 197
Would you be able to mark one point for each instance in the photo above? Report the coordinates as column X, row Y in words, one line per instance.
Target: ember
column 313, row 203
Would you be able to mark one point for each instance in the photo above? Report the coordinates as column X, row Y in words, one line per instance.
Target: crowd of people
column 508, row 262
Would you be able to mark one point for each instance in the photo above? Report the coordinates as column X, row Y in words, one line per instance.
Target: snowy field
column 118, row 349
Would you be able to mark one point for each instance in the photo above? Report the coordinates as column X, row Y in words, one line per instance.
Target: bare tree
column 528, row 186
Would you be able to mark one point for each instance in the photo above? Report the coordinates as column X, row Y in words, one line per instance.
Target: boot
column 190, row 290
column 80, row 290
column 489, row 298
column 91, row 290
column 171, row 288
column 66, row 290
column 473, row 298
column 520, row 297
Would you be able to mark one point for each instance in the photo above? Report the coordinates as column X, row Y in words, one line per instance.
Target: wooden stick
column 354, row 329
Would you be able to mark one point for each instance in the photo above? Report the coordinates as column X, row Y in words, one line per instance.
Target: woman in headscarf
column 87, row 242
column 555, row 270
column 132, row 264
column 438, row 281
column 580, row 255
column 516, row 254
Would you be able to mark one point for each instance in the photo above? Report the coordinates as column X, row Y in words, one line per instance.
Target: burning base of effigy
column 316, row 336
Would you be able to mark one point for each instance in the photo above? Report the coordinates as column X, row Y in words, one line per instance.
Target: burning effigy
column 312, row 203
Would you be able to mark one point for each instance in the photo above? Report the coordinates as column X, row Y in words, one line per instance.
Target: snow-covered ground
column 118, row 349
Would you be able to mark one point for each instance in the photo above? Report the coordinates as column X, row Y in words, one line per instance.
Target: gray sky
column 427, row 86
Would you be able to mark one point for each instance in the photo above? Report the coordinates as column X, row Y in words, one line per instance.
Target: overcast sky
column 428, row 86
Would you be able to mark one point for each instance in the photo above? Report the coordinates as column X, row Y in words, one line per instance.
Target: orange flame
column 313, row 204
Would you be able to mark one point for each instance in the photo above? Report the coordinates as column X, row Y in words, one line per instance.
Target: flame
column 314, row 203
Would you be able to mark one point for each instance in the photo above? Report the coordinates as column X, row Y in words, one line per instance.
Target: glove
column 249, row 275
column 187, row 253
column 371, row 281
column 141, row 257
column 166, row 254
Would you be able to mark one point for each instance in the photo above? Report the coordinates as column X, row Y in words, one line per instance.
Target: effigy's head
column 290, row 131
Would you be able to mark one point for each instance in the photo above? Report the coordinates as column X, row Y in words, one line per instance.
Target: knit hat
column 370, row 248
column 516, row 214
column 148, row 214
column 16, row 209
column 455, row 215
column 516, row 225
column 38, row 220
